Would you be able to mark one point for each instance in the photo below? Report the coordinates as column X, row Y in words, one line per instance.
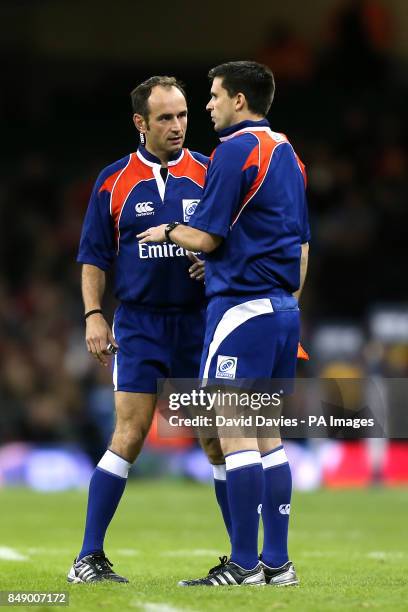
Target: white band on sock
column 275, row 458
column 220, row 472
column 242, row 459
column 114, row 464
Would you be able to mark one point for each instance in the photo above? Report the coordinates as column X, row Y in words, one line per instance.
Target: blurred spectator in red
column 361, row 23
column 359, row 33
column 287, row 54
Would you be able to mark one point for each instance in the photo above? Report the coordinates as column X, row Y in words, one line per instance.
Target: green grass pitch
column 350, row 549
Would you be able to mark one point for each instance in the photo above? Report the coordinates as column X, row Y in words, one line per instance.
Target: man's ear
column 240, row 101
column 140, row 123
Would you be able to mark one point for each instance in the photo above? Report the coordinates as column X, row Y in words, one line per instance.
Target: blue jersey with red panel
column 254, row 198
column 130, row 196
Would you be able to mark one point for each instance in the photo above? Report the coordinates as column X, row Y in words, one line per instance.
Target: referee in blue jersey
column 158, row 329
column 252, row 223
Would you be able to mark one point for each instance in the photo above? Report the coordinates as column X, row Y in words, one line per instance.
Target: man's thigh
column 187, row 345
column 155, row 345
column 251, row 340
column 144, row 353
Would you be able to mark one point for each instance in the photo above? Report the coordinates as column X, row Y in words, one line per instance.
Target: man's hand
column 197, row 270
column 153, row 234
column 98, row 336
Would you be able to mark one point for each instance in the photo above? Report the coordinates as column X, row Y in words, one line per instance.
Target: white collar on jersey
column 149, row 159
column 152, row 161
column 247, row 129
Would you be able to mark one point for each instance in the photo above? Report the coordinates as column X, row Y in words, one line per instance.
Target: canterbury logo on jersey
column 154, row 251
column 144, row 208
column 284, row 508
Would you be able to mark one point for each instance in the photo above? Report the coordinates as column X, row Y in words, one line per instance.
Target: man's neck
column 242, row 121
column 247, row 116
column 164, row 159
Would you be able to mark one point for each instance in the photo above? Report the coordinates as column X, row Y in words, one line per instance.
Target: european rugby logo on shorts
column 189, row 207
column 226, row 367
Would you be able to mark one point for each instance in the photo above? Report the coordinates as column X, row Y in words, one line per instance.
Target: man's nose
column 209, row 106
column 176, row 127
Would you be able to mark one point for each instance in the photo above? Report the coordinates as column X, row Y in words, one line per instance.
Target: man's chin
column 176, row 147
column 218, row 126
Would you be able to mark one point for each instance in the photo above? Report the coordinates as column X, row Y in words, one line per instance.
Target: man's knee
column 134, row 413
column 212, row 448
column 266, row 445
column 131, row 433
column 237, row 445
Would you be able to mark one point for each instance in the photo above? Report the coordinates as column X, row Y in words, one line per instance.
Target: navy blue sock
column 276, row 507
column 220, row 484
column 245, row 490
column 105, row 490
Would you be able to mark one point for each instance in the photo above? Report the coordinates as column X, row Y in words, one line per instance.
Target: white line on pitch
column 156, row 607
column 389, row 555
column 10, row 554
column 127, row 552
column 42, row 550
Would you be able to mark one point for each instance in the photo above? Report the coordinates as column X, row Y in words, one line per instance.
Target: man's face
column 167, row 122
column 221, row 106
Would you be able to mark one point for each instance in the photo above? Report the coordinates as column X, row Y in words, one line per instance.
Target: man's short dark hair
column 141, row 93
column 254, row 80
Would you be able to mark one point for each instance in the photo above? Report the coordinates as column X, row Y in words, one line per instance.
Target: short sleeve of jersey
column 306, row 233
column 97, row 245
column 226, row 184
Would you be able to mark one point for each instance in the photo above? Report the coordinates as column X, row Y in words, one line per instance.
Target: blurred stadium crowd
column 342, row 106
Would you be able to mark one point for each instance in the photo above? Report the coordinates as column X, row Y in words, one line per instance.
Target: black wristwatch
column 169, row 228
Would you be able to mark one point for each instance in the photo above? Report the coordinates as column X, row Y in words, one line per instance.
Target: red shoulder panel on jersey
column 264, row 151
column 190, row 168
column 108, row 184
column 132, row 174
column 253, row 158
column 302, row 168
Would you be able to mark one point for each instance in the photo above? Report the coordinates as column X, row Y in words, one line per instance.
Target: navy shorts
column 155, row 345
column 251, row 339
